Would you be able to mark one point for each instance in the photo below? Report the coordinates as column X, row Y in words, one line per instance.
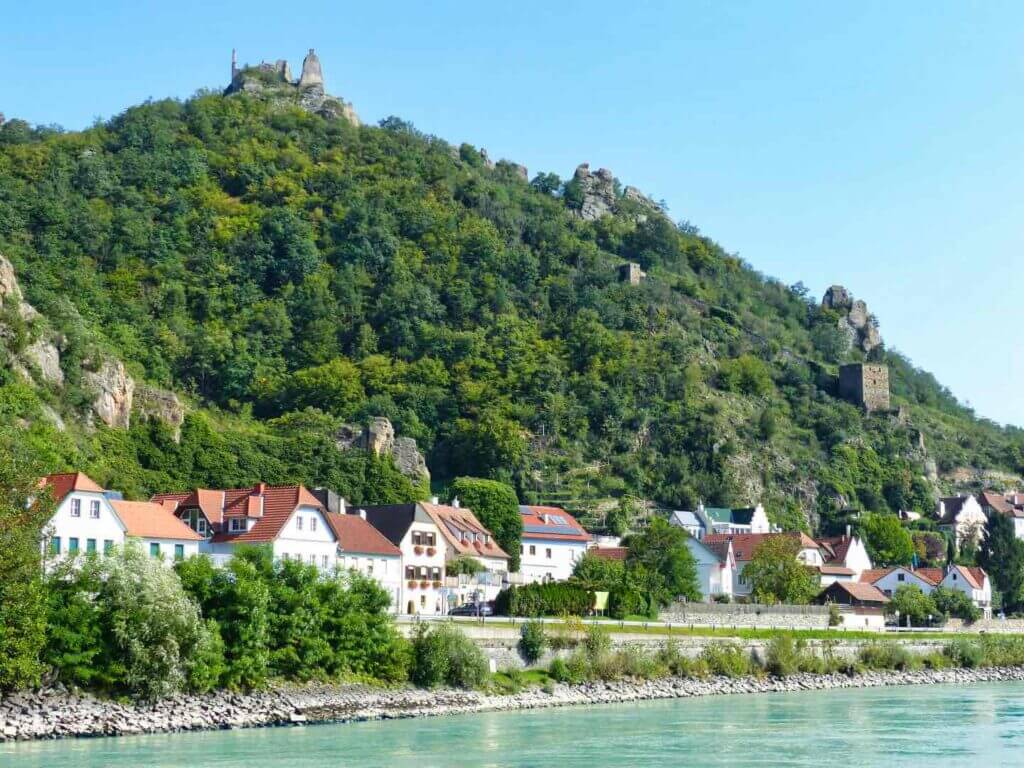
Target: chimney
column 362, row 514
column 848, row 531
column 261, row 488
column 455, row 502
column 343, row 508
column 434, row 500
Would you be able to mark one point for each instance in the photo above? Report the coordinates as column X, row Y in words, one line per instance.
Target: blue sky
column 879, row 145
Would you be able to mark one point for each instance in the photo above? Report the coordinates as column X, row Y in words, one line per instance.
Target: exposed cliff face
column 597, row 196
column 378, row 437
column 859, row 326
column 155, row 403
column 114, row 390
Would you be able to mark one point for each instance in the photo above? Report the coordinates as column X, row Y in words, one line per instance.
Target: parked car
column 473, row 609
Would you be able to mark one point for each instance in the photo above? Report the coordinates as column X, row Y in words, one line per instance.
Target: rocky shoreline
column 56, row 715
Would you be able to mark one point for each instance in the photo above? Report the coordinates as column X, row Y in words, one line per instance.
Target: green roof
column 719, row 514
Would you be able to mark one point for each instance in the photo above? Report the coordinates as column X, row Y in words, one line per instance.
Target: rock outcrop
column 155, row 403
column 43, row 353
column 113, row 391
column 597, row 195
column 859, row 325
column 274, row 83
column 378, row 438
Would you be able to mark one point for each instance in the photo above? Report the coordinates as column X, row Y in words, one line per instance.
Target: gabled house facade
column 364, row 549
column 962, row 517
column 289, row 519
column 553, row 541
column 91, row 520
column 418, row 538
column 1009, row 504
column 464, row 535
column 844, row 558
column 716, row 566
column 972, row 581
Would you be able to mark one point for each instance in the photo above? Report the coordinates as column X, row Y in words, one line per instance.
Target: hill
column 267, row 275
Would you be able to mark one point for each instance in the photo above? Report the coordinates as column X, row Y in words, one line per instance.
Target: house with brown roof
column 553, row 541
column 972, row 581
column 1009, row 504
column 89, row 519
column 844, row 558
column 288, row 519
column 431, row 535
column 745, row 544
column 862, row 605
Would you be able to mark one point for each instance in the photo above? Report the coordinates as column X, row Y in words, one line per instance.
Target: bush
column 550, row 599
column 559, row 670
column 726, row 659
column 1003, row 650
column 784, row 656
column 598, row 642
column 963, row 652
column 532, row 641
column 953, row 602
column 835, row 618
column 886, row 656
column 446, row 656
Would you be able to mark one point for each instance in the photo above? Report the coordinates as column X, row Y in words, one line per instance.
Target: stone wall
column 865, row 385
column 748, row 616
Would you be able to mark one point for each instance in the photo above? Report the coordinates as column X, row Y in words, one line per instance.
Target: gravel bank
column 55, row 715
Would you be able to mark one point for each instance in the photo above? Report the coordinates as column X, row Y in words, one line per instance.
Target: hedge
column 551, row 599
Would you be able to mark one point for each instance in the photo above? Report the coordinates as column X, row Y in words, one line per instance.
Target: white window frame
column 76, row 507
column 94, row 509
column 298, row 522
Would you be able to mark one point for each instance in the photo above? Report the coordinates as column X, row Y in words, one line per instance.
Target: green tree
column 913, row 606
column 496, row 506
column 1002, row 555
column 954, row 603
column 661, row 549
column 887, row 541
column 23, row 513
column 776, row 576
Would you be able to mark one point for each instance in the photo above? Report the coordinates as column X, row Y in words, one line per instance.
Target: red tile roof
column 973, row 575
column 355, row 535
column 63, row 483
column 609, row 553
column 865, row 593
column 540, row 517
column 996, row 501
column 149, row 520
column 929, row 575
column 744, row 544
column 453, row 522
column 271, row 506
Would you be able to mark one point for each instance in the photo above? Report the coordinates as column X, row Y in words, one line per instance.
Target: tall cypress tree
column 1002, row 556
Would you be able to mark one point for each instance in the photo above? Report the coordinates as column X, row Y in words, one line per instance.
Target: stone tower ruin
column 866, row 385
column 311, row 72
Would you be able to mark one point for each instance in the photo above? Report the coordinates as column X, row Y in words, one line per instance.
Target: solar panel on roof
column 566, row 530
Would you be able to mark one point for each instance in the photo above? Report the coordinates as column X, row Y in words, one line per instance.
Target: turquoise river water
column 922, row 726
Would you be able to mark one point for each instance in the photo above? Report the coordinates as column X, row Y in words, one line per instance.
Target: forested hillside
column 286, row 273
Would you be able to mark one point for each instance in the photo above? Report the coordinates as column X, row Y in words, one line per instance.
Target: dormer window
column 76, row 507
column 236, row 525
column 201, row 525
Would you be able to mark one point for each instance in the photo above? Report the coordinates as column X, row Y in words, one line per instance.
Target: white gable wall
column 549, row 560
column 83, row 528
column 307, row 537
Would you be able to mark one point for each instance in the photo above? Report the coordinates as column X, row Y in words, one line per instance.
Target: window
column 236, row 525
column 108, row 545
column 437, row 574
column 312, row 559
column 423, row 601
column 298, row 523
column 73, row 545
column 201, row 525
column 547, row 553
column 410, row 571
column 312, row 523
column 901, row 577
column 154, row 549
column 522, row 549
column 94, row 509
column 383, row 566
column 90, row 546
column 55, row 545
column 76, row 507
column 533, row 549
column 179, row 551
column 326, row 562
column 369, row 567
column 417, row 538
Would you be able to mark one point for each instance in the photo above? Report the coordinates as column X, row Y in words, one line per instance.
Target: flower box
column 412, row 584
column 424, row 584
column 418, row 549
column 437, row 585
column 431, row 551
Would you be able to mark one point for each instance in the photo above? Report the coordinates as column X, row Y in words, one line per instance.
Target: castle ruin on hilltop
column 274, row 80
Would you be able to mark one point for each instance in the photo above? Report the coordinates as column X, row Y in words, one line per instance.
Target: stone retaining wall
column 747, row 616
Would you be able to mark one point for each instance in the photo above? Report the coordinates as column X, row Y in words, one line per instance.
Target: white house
column 463, row 535
column 89, row 519
column 963, row 516
column 745, row 544
column 716, row 566
column 844, row 558
column 159, row 532
column 418, row 538
column 288, row 518
column 721, row 520
column 552, row 543
column 83, row 520
column 973, row 582
column 1010, row 504
column 364, row 549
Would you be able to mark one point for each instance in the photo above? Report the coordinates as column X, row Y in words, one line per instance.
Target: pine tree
column 1002, row 556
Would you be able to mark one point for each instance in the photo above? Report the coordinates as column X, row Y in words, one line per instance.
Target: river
column 937, row 725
